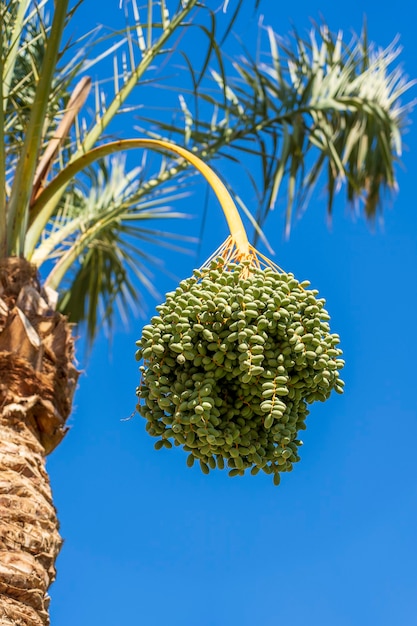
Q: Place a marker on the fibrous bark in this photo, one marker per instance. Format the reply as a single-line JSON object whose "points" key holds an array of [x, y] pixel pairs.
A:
{"points": [[29, 538], [37, 382]]}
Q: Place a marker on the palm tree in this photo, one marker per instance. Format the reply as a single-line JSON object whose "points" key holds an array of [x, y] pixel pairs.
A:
{"points": [[72, 219]]}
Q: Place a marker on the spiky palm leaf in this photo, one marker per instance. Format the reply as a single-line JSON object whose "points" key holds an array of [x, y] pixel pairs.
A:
{"points": [[33, 89], [318, 109], [303, 112], [101, 245]]}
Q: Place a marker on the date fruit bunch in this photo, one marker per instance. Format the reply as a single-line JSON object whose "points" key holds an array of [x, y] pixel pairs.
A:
{"points": [[231, 363]]}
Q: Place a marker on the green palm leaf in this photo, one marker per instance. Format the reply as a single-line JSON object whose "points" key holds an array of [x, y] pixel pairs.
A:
{"points": [[315, 110], [100, 240], [319, 109]]}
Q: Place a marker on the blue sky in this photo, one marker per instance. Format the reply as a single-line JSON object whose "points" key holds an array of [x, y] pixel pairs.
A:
{"points": [[150, 541]]}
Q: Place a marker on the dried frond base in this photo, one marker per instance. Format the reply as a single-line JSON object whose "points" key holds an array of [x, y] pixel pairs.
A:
{"points": [[36, 353], [37, 382], [13, 612]]}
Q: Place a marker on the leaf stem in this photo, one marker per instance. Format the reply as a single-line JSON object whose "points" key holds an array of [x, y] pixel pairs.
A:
{"points": [[17, 215], [236, 227]]}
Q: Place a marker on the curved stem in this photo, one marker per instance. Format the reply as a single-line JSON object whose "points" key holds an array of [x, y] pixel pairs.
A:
{"points": [[42, 208]]}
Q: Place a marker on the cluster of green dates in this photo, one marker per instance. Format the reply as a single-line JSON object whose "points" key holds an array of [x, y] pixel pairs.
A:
{"points": [[230, 365]]}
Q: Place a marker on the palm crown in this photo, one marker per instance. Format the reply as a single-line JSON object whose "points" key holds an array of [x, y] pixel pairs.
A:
{"points": [[311, 109]]}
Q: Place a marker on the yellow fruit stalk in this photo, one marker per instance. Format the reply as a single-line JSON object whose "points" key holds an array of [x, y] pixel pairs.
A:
{"points": [[235, 356]]}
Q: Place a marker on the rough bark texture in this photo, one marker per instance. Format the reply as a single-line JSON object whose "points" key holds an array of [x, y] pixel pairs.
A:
{"points": [[29, 538], [37, 382]]}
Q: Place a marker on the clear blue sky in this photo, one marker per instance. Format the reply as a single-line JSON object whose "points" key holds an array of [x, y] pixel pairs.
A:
{"points": [[149, 541]]}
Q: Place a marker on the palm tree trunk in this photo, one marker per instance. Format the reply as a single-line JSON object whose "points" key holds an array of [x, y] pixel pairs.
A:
{"points": [[37, 381], [29, 538]]}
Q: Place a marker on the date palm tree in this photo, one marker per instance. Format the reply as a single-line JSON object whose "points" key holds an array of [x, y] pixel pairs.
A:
{"points": [[74, 217]]}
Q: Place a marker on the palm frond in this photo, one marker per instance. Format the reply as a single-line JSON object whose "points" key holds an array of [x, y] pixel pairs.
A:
{"points": [[138, 52], [76, 101], [314, 110], [99, 242], [18, 205], [101, 282], [133, 69]]}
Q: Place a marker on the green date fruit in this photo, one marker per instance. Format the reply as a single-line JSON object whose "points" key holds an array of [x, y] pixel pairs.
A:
{"points": [[230, 364]]}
